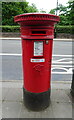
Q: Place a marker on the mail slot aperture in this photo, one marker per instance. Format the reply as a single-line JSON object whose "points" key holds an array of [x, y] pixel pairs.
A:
{"points": [[38, 32]]}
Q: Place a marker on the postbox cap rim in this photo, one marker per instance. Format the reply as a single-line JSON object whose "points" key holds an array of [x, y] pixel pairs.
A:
{"points": [[36, 13], [36, 16]]}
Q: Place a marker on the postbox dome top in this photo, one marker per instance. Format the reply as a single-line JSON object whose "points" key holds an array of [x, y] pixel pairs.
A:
{"points": [[36, 19]]}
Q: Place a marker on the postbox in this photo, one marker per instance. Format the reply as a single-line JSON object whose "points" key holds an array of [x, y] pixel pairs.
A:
{"points": [[37, 33]]}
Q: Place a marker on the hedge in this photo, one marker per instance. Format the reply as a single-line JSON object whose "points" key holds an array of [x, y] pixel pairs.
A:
{"points": [[65, 29], [58, 29], [10, 28]]}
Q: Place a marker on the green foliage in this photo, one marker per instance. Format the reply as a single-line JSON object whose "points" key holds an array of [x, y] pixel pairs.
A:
{"points": [[32, 8], [59, 29], [64, 20], [62, 9], [65, 29], [10, 28], [66, 13], [11, 9], [71, 11], [52, 11]]}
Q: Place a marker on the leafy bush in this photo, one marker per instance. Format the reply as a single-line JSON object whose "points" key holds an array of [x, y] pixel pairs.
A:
{"points": [[10, 28], [65, 29]]}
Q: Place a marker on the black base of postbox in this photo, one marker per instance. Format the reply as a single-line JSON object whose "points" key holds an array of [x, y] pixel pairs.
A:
{"points": [[36, 101]]}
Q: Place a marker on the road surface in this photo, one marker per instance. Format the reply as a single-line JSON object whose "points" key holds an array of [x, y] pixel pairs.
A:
{"points": [[12, 62]]}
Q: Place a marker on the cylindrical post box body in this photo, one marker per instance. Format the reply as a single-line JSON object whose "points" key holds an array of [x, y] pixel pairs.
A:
{"points": [[37, 33]]}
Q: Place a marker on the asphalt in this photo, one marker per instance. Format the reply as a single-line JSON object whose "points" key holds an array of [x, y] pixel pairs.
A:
{"points": [[11, 100], [12, 63]]}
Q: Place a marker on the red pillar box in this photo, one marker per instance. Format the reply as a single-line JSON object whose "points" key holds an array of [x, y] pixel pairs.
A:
{"points": [[37, 33]]}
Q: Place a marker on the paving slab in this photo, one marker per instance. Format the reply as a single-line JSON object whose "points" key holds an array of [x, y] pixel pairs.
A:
{"points": [[64, 85], [14, 94], [60, 96], [61, 104], [62, 110], [0, 94], [0, 110], [11, 109], [73, 110], [47, 113], [12, 84], [4, 93]]}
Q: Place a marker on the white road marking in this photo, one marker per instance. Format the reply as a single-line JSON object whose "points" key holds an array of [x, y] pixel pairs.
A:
{"points": [[53, 61], [65, 73], [19, 38], [69, 59], [62, 65], [13, 54], [58, 66], [70, 62], [64, 70], [63, 61], [9, 54], [59, 69], [54, 55]]}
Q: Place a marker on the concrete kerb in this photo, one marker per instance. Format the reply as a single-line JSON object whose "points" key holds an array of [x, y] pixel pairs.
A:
{"points": [[54, 84], [21, 81], [18, 38]]}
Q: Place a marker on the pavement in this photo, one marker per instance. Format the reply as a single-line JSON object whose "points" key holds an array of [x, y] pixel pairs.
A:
{"points": [[12, 106], [61, 103]]}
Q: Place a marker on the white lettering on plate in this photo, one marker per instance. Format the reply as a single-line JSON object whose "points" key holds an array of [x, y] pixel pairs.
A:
{"points": [[37, 60]]}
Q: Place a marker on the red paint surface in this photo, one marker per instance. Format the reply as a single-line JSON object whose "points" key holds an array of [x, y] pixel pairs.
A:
{"points": [[37, 75]]}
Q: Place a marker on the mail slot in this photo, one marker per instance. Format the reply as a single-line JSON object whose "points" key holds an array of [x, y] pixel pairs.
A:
{"points": [[37, 33]]}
